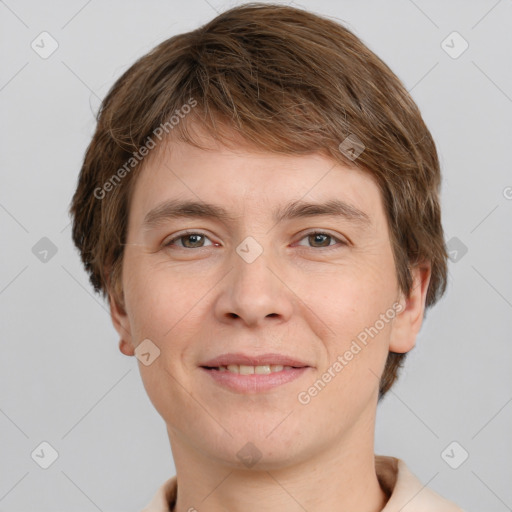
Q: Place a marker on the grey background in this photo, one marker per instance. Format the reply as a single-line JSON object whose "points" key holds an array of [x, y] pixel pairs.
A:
{"points": [[62, 378]]}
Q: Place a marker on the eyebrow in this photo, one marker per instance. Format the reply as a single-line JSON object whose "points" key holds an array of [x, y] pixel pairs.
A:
{"points": [[175, 209]]}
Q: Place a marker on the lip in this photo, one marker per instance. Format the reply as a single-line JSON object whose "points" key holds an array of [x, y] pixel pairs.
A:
{"points": [[254, 383], [253, 360]]}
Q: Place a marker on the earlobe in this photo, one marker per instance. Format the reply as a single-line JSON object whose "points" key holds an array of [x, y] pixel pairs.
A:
{"points": [[408, 321], [126, 348]]}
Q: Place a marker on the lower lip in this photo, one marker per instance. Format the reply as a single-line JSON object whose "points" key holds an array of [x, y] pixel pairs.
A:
{"points": [[254, 383]]}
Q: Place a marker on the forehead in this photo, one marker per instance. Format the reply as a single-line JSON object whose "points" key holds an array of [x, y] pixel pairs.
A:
{"points": [[244, 181]]}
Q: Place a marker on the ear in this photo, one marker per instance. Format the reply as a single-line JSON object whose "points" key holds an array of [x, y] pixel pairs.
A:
{"points": [[122, 326], [407, 322]]}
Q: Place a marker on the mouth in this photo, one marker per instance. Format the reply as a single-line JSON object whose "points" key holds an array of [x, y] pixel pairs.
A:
{"points": [[253, 374], [243, 369], [254, 361]]}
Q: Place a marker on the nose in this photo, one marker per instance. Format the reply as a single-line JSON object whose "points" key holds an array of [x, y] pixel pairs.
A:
{"points": [[255, 293]]}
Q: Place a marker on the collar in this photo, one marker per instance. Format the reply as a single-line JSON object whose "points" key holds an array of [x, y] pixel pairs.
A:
{"points": [[406, 493]]}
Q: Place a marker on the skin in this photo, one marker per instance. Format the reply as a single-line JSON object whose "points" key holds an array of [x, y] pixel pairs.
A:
{"points": [[296, 298]]}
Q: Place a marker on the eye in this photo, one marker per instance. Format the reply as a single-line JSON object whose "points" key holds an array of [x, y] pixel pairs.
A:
{"points": [[321, 238], [190, 240], [196, 240]]}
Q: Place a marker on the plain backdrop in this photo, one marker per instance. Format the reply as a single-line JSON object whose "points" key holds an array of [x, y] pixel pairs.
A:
{"points": [[63, 380]]}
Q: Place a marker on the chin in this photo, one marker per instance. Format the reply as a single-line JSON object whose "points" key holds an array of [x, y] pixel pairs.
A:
{"points": [[258, 446], [256, 456]]}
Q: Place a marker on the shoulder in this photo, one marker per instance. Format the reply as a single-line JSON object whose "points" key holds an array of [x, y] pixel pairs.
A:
{"points": [[164, 498], [406, 492]]}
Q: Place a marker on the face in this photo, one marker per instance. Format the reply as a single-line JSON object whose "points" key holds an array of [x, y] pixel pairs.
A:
{"points": [[269, 324]]}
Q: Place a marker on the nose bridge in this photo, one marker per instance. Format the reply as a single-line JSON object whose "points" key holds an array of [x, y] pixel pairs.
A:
{"points": [[252, 265], [254, 292]]}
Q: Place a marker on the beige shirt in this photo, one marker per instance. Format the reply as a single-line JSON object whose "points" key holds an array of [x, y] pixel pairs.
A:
{"points": [[406, 493]]}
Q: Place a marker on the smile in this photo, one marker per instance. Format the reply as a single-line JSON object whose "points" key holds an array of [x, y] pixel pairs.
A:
{"points": [[243, 369], [253, 379]]}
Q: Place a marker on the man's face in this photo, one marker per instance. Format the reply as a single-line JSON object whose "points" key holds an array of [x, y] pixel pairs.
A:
{"points": [[251, 285]]}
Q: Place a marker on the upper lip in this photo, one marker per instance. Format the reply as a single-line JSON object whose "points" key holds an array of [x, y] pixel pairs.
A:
{"points": [[253, 360]]}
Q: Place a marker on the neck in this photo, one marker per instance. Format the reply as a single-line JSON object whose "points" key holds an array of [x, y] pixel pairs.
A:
{"points": [[341, 477]]}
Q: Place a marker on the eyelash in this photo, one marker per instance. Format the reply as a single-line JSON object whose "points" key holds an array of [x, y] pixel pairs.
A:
{"points": [[170, 243]]}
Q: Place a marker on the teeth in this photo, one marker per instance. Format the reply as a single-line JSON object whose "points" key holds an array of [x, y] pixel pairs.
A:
{"points": [[243, 369]]}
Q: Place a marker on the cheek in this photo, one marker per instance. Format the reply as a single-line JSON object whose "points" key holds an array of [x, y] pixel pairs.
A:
{"points": [[350, 296], [157, 310], [148, 297], [163, 303], [357, 341]]}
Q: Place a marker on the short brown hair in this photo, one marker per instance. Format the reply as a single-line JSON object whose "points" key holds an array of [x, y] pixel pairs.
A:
{"points": [[286, 81]]}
